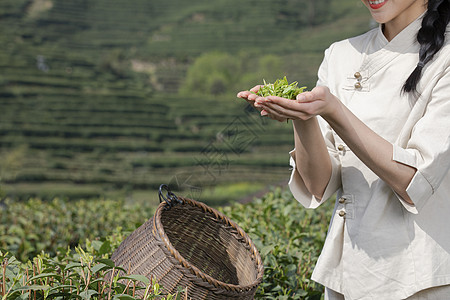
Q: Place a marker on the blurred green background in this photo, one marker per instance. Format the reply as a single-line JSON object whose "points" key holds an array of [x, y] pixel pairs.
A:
{"points": [[111, 98]]}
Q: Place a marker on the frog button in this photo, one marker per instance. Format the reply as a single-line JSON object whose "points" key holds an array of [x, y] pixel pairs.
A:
{"points": [[341, 147], [358, 85]]}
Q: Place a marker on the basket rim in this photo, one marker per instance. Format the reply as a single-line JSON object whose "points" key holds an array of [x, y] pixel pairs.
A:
{"points": [[158, 226]]}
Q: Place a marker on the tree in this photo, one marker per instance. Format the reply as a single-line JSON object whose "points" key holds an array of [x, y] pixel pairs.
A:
{"points": [[212, 73], [218, 73]]}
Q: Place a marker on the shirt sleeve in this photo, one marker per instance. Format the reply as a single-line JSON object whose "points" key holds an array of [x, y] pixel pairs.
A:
{"points": [[296, 183], [428, 149]]}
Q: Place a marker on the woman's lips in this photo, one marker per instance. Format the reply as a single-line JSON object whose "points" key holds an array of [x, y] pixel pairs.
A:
{"points": [[376, 4]]}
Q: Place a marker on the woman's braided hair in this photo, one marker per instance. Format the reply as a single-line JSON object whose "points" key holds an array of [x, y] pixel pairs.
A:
{"points": [[431, 38]]}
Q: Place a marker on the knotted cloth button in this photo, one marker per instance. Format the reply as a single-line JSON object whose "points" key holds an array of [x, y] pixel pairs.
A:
{"points": [[341, 147], [357, 75], [342, 213], [358, 85], [342, 200]]}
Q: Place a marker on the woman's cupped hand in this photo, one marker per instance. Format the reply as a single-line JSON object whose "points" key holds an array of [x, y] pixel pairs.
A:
{"points": [[318, 101]]}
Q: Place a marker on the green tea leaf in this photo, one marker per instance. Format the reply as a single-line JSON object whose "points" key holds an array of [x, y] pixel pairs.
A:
{"points": [[61, 287], [72, 265], [107, 262], [124, 297], [34, 287], [281, 88], [44, 275], [100, 267], [105, 248], [136, 277], [88, 294]]}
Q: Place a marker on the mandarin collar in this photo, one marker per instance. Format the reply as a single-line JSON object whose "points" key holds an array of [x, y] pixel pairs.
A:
{"points": [[406, 37], [385, 51]]}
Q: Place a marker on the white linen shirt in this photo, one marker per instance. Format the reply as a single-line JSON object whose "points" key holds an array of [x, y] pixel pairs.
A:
{"points": [[378, 246]]}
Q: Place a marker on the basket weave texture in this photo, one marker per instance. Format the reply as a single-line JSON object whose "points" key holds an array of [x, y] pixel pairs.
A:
{"points": [[193, 246]]}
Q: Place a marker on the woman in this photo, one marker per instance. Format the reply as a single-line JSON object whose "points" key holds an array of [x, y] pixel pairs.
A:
{"points": [[376, 130]]}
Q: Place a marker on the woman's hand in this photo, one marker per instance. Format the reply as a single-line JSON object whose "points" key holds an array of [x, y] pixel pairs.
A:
{"points": [[251, 96], [319, 101]]}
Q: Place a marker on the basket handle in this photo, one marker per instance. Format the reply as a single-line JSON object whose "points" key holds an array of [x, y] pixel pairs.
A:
{"points": [[170, 198]]}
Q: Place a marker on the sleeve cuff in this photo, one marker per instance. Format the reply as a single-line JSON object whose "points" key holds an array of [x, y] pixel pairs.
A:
{"points": [[409, 207], [404, 156], [419, 189], [301, 193]]}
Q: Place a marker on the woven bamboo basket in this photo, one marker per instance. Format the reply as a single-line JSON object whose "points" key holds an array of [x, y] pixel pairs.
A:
{"points": [[191, 245]]}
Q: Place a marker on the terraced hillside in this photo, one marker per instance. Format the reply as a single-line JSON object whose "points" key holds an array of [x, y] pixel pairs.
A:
{"points": [[89, 93]]}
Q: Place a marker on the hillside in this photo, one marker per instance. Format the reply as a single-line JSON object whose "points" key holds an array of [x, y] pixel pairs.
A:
{"points": [[89, 93]]}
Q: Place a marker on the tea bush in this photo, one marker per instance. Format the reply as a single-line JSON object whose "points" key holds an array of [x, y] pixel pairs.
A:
{"points": [[78, 274], [288, 237], [27, 228]]}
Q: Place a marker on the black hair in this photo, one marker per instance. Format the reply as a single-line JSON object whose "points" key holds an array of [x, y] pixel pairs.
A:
{"points": [[431, 38]]}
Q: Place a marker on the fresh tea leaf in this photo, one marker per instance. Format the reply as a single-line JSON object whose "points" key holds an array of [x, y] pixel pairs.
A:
{"points": [[136, 277], [281, 88]]}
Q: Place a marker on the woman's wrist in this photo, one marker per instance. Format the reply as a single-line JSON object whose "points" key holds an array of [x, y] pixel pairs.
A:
{"points": [[303, 126], [302, 123], [334, 111], [307, 129]]}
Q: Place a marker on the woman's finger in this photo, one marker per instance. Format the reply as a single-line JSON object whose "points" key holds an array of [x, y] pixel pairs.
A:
{"points": [[252, 91], [243, 94], [308, 106], [279, 110], [290, 110], [273, 115], [252, 103], [281, 102], [256, 88], [317, 93], [306, 97], [253, 97]]}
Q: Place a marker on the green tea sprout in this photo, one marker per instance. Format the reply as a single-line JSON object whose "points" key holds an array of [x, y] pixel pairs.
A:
{"points": [[281, 88]]}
